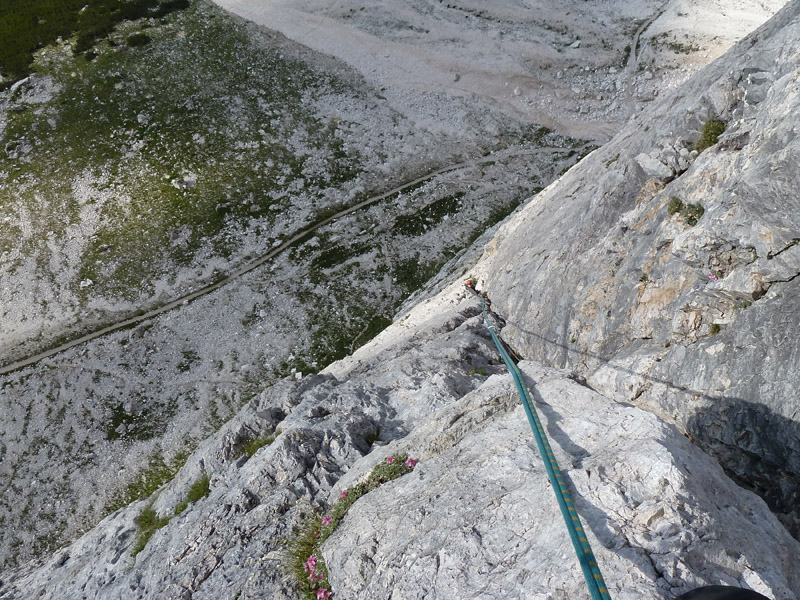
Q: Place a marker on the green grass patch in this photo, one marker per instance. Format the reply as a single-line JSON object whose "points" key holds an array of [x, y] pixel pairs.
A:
{"points": [[254, 445], [691, 212], [168, 178], [429, 216], [302, 556], [198, 490], [157, 473], [137, 426], [712, 129], [338, 254], [27, 25], [147, 523], [138, 39]]}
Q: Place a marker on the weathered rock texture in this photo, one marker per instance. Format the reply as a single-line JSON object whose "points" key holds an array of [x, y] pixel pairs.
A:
{"points": [[593, 275], [697, 324], [476, 519]]}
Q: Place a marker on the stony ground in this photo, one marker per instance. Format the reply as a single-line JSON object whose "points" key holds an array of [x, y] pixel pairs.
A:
{"points": [[167, 197], [580, 68], [476, 518], [264, 137]]}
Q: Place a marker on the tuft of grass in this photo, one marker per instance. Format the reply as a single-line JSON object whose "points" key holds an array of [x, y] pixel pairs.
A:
{"points": [[711, 132], [691, 213], [156, 474], [302, 557], [147, 523], [644, 278], [138, 39], [254, 445], [198, 490], [714, 328], [744, 304]]}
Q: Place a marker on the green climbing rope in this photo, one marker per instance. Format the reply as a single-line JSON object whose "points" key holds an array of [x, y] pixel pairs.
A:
{"points": [[591, 572]]}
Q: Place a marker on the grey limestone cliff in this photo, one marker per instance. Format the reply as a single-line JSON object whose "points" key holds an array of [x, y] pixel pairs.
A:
{"points": [[643, 334], [696, 323], [475, 519]]}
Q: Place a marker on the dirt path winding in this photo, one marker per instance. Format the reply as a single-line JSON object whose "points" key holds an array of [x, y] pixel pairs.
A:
{"points": [[257, 262]]}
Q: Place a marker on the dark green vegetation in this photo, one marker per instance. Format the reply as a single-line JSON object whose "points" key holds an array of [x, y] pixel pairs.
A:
{"points": [[157, 473], [173, 174], [626, 55], [130, 425], [28, 25], [148, 521], [691, 213], [429, 216], [254, 445], [199, 489], [711, 131], [307, 539]]}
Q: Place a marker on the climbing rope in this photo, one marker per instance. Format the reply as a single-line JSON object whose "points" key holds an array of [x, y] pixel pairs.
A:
{"points": [[591, 572]]}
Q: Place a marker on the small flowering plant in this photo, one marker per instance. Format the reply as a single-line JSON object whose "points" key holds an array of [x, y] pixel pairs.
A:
{"points": [[303, 556]]}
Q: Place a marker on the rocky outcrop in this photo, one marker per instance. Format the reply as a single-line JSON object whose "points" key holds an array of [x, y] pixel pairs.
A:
{"points": [[476, 518], [604, 278], [603, 274]]}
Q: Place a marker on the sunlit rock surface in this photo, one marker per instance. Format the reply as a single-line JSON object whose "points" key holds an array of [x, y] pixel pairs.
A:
{"points": [[476, 518], [651, 329], [696, 323]]}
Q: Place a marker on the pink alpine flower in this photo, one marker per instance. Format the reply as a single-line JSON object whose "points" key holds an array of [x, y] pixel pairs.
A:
{"points": [[411, 463], [389, 460], [322, 594], [712, 277], [326, 521], [343, 494]]}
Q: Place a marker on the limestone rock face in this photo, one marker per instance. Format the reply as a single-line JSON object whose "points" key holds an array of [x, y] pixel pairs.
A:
{"points": [[604, 273], [644, 328], [475, 519]]}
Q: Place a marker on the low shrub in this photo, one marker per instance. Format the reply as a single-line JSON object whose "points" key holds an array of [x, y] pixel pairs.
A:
{"points": [[254, 445], [691, 213], [303, 559], [711, 131]]}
